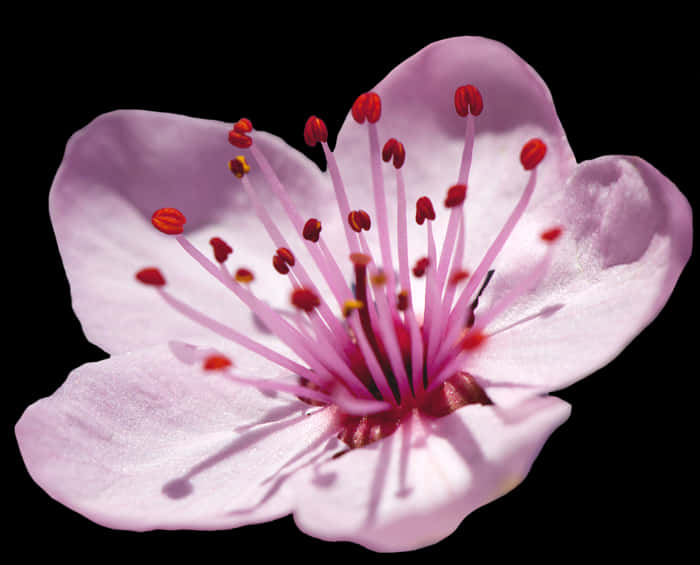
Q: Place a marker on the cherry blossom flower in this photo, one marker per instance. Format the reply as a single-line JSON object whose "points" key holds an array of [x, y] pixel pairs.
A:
{"points": [[400, 377]]}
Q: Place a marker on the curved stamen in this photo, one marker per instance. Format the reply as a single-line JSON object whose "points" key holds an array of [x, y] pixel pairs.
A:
{"points": [[458, 316], [476, 336], [328, 267], [280, 242], [320, 378], [316, 357], [348, 405]]}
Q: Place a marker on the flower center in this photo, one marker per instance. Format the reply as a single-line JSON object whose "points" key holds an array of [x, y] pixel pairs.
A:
{"points": [[365, 350]]}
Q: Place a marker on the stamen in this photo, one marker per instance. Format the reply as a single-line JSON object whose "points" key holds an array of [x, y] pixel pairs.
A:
{"points": [[240, 140], [280, 264], [360, 259], [458, 276], [468, 99], [321, 378], [280, 241], [350, 306], [151, 276], [321, 255], [244, 275], [341, 197], [420, 267], [532, 279], [551, 234], [533, 152], [367, 106], [318, 358], [402, 300], [395, 150], [239, 166], [305, 299], [455, 195], [475, 337], [216, 363], [315, 131], [244, 125], [380, 206], [436, 322], [359, 220], [424, 210], [378, 278], [468, 103], [169, 220], [286, 255], [221, 249], [312, 230], [472, 340], [459, 313]]}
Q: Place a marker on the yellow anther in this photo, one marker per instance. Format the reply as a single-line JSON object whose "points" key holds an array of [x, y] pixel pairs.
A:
{"points": [[239, 166], [378, 278], [244, 275], [351, 305]]}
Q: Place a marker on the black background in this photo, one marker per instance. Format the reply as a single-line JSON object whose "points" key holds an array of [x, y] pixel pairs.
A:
{"points": [[616, 479]]}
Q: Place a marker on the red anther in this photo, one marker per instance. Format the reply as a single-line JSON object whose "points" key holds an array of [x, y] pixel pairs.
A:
{"points": [[420, 266], [315, 131], [286, 255], [468, 99], [533, 152], [456, 195], [151, 276], [424, 210], [359, 220], [472, 340], [402, 300], [280, 265], [551, 235], [354, 221], [312, 229], [360, 259], [367, 106], [221, 249], [388, 149], [394, 148], [240, 140], [169, 220], [244, 125], [216, 362], [244, 275], [305, 299], [458, 276]]}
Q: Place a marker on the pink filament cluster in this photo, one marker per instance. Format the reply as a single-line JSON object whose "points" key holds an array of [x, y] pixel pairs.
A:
{"points": [[378, 355]]}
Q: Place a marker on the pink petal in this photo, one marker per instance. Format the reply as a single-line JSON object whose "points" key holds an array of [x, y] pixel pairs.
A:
{"points": [[116, 172], [141, 441], [628, 236], [418, 110], [414, 488]]}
